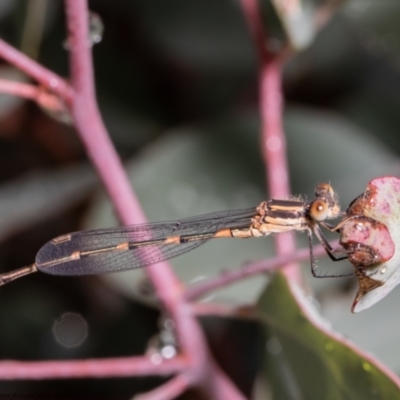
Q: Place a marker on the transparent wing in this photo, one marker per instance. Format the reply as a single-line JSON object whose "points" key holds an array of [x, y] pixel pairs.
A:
{"points": [[127, 247]]}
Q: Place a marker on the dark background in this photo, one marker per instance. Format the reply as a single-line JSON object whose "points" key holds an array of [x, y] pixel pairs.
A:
{"points": [[177, 85]]}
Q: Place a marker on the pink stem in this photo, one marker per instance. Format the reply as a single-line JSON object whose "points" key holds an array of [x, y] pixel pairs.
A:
{"points": [[47, 78], [90, 368], [88, 121], [42, 97], [20, 89], [100, 150], [230, 277], [274, 151], [98, 145], [273, 143]]}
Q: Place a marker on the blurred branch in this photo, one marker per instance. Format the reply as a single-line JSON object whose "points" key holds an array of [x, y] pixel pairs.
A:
{"points": [[24, 90], [90, 368], [47, 78], [99, 147], [273, 141], [41, 96], [254, 268]]}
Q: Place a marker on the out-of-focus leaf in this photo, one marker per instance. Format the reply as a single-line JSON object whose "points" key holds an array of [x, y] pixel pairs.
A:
{"points": [[127, 128], [364, 328], [303, 360], [378, 23], [209, 34], [325, 146], [39, 195], [298, 21], [6, 6]]}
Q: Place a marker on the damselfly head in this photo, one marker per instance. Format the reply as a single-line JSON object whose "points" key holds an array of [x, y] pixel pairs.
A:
{"points": [[326, 205]]}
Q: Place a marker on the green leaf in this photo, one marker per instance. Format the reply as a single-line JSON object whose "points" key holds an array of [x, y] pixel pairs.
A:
{"points": [[301, 361]]}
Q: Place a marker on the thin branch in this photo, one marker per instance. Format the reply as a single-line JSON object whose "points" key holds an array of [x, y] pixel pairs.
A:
{"points": [[47, 78], [41, 96], [88, 121], [255, 268], [20, 89], [90, 368], [273, 142], [99, 147]]}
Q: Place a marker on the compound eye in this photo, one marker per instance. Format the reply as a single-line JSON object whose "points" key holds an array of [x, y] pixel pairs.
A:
{"points": [[319, 211], [323, 189]]}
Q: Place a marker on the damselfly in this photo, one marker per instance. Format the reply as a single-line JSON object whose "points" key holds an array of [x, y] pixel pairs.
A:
{"points": [[128, 247]]}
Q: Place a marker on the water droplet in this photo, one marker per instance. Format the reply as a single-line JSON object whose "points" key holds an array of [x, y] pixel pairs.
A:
{"points": [[366, 366], [274, 346], [329, 346], [70, 330], [169, 324], [156, 358], [168, 352], [383, 269], [163, 345], [53, 82], [96, 28]]}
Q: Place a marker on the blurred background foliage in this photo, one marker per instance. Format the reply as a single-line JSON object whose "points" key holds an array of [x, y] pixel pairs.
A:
{"points": [[177, 86]]}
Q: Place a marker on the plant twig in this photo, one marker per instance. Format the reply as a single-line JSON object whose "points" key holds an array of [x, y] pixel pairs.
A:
{"points": [[273, 142], [254, 268], [42, 97], [89, 368], [88, 121], [44, 76]]}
